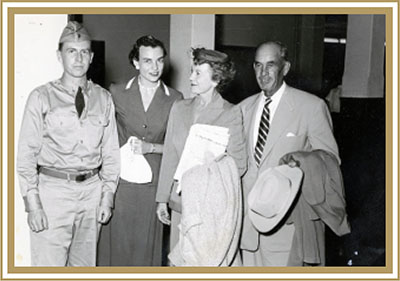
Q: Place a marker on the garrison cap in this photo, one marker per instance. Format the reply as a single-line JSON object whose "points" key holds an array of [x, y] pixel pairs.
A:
{"points": [[74, 32]]}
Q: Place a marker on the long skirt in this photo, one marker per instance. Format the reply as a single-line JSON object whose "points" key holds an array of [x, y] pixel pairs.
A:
{"points": [[133, 236]]}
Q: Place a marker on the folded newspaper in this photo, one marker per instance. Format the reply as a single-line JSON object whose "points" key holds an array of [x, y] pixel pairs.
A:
{"points": [[134, 167], [204, 142]]}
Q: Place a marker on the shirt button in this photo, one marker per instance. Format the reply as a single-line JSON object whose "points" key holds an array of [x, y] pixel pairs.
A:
{"points": [[144, 126], [143, 138], [81, 141]]}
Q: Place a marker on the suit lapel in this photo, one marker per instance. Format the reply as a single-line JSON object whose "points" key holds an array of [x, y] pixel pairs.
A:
{"points": [[212, 110], [187, 114], [284, 115], [134, 104], [136, 98], [159, 99]]}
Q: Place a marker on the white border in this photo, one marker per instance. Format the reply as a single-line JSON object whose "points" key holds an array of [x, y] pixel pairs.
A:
{"points": [[4, 211], [182, 276], [203, 4]]}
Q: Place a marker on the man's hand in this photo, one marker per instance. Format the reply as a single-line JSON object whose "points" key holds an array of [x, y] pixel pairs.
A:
{"points": [[37, 220], [293, 159], [162, 213], [104, 214]]}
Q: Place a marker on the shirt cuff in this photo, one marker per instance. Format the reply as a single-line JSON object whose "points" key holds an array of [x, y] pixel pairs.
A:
{"points": [[32, 202], [162, 198], [107, 199]]}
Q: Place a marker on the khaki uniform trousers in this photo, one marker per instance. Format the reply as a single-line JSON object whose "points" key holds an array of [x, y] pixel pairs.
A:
{"points": [[71, 208]]}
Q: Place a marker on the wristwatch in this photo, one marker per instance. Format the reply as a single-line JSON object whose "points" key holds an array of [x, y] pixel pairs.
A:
{"points": [[152, 148]]}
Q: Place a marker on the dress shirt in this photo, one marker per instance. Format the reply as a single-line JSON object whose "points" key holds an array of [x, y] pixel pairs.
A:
{"points": [[272, 108], [53, 136], [147, 93], [130, 82]]}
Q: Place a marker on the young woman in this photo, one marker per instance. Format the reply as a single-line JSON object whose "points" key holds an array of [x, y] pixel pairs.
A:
{"points": [[134, 235]]}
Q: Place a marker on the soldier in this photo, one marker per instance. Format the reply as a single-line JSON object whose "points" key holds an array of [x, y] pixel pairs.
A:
{"points": [[68, 159]]}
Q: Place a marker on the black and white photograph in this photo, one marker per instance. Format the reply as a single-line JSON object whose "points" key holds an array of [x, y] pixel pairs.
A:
{"points": [[239, 140]]}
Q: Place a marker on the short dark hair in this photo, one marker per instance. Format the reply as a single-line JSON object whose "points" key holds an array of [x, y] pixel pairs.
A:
{"points": [[222, 72], [146, 41]]}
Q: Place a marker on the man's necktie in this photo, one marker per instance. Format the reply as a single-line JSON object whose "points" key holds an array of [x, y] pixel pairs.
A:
{"points": [[262, 132], [79, 101]]}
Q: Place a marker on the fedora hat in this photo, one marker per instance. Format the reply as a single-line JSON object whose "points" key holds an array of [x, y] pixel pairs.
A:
{"points": [[272, 195]]}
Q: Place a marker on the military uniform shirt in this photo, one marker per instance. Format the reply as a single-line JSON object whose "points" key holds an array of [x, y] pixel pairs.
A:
{"points": [[52, 135]]}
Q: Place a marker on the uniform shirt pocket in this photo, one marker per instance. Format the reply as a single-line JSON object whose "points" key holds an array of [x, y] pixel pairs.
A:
{"points": [[60, 121], [95, 130], [60, 129]]}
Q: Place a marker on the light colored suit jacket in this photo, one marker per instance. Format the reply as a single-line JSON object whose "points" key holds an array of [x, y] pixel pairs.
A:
{"points": [[301, 122], [321, 202], [219, 113]]}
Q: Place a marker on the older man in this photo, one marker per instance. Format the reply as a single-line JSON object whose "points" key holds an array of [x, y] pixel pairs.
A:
{"points": [[278, 120], [68, 159]]}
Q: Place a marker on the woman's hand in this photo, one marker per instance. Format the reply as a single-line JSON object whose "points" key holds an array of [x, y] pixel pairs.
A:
{"points": [[140, 147], [162, 213]]}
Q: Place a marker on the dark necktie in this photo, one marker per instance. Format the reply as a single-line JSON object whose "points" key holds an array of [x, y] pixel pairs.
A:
{"points": [[262, 132], [79, 101]]}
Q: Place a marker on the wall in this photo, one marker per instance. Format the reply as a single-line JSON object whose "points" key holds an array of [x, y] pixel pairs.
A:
{"points": [[36, 42], [310, 53], [240, 31], [188, 31], [238, 35], [251, 30], [365, 53], [120, 32]]}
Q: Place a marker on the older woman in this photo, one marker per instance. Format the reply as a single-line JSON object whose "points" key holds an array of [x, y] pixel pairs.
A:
{"points": [[211, 72]]}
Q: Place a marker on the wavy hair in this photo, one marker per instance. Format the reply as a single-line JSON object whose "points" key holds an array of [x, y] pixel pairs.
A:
{"points": [[146, 41], [223, 71]]}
